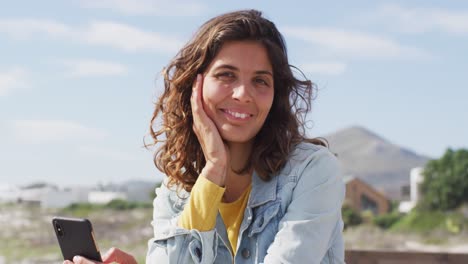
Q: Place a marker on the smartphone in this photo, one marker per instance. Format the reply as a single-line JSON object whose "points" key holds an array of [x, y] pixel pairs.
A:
{"points": [[75, 237]]}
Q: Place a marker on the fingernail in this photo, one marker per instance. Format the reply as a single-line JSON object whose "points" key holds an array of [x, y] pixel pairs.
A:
{"points": [[76, 259]]}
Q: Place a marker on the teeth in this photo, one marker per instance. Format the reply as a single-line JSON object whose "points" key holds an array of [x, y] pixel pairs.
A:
{"points": [[238, 115]]}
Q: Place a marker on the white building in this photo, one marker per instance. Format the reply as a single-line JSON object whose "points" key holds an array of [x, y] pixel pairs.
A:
{"points": [[9, 193], [102, 197], [50, 196], [416, 178], [35, 193], [65, 197]]}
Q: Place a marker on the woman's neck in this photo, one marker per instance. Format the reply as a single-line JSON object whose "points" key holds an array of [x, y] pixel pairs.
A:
{"points": [[237, 183], [239, 154]]}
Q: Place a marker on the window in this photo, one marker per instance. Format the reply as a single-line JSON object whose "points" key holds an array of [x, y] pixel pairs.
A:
{"points": [[369, 204]]}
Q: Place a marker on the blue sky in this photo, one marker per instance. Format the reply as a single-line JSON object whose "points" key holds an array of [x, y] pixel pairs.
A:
{"points": [[78, 78]]}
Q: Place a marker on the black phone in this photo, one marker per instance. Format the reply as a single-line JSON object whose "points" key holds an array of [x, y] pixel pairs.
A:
{"points": [[76, 237]]}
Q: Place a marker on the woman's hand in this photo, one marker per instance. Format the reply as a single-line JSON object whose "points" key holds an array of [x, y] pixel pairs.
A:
{"points": [[214, 149], [112, 255]]}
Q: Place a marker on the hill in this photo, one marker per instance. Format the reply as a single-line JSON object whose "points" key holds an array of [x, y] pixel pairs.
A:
{"points": [[370, 157]]}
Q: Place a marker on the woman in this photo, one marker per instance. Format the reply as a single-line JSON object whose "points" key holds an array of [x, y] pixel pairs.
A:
{"points": [[243, 185]]}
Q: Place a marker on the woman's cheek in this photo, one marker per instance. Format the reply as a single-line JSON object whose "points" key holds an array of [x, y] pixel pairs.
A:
{"points": [[209, 108]]}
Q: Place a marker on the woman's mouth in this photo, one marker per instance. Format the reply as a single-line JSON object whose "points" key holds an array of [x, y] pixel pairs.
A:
{"points": [[236, 114]]}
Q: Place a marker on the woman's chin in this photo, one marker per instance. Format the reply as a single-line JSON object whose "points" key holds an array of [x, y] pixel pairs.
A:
{"points": [[237, 139]]}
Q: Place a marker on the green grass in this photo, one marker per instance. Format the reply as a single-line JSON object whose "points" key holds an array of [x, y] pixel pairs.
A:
{"points": [[426, 222], [85, 209], [82, 210], [15, 250]]}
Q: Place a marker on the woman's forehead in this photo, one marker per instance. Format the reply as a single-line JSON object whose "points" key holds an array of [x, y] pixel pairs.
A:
{"points": [[242, 55]]}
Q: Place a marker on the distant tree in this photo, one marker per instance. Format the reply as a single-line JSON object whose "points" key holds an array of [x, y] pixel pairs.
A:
{"points": [[445, 184], [350, 216], [386, 221]]}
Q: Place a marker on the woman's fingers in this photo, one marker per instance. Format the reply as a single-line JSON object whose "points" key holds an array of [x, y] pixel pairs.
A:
{"points": [[112, 255], [80, 260], [200, 119], [118, 256], [196, 104], [196, 94], [203, 126]]}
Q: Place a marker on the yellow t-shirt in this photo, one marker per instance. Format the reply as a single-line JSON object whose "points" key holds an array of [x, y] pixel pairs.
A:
{"points": [[232, 214], [204, 204]]}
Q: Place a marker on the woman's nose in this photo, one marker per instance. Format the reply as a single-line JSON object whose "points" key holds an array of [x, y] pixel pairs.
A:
{"points": [[243, 92]]}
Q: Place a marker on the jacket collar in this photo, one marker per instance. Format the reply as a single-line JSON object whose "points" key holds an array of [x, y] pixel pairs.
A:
{"points": [[262, 191]]}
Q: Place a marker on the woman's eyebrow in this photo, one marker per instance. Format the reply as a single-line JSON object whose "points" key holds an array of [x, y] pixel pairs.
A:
{"points": [[234, 68], [265, 72], [227, 66]]}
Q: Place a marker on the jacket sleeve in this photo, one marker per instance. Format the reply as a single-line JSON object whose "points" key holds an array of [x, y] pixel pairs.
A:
{"points": [[172, 243], [312, 222]]}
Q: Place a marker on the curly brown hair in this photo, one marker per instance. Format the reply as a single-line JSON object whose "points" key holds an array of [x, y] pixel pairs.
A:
{"points": [[180, 155]]}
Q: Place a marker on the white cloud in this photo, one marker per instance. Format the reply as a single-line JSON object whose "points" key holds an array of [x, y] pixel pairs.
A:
{"points": [[12, 79], [325, 68], [418, 20], [99, 152], [44, 131], [128, 38], [355, 44], [91, 67], [24, 28], [99, 33], [147, 7]]}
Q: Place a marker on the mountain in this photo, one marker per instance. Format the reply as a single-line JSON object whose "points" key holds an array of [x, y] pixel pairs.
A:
{"points": [[377, 161]]}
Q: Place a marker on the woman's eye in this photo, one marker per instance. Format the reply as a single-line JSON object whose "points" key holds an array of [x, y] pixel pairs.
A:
{"points": [[261, 81], [225, 76]]}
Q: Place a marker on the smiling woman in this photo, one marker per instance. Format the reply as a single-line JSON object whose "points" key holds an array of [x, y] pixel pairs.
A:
{"points": [[243, 185]]}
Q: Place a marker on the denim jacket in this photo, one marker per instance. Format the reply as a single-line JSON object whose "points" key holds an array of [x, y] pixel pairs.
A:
{"points": [[293, 218]]}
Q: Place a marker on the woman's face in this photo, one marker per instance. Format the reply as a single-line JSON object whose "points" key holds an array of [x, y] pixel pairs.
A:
{"points": [[238, 90]]}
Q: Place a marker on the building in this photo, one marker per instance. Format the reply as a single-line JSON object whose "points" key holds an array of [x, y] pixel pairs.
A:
{"points": [[9, 193], [416, 178], [103, 197], [64, 197], [361, 197], [51, 196], [35, 193]]}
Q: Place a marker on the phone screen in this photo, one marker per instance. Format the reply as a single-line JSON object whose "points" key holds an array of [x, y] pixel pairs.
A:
{"points": [[76, 237]]}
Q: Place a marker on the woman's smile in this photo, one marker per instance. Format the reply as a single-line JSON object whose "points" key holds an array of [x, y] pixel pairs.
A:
{"points": [[237, 114]]}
